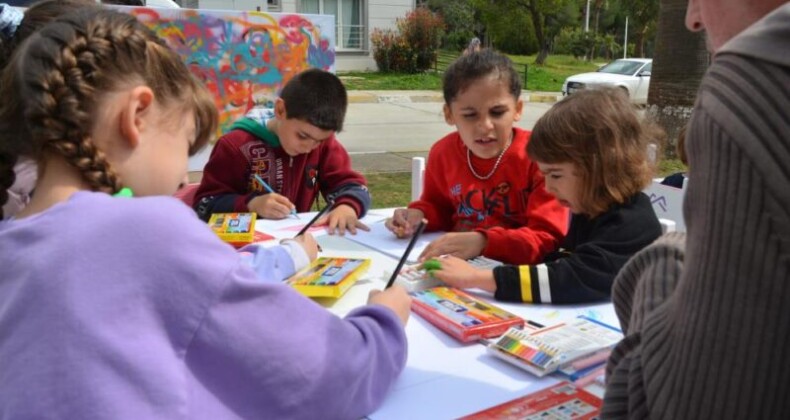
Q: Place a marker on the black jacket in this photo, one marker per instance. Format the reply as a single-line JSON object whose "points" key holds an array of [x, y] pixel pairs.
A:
{"points": [[593, 252]]}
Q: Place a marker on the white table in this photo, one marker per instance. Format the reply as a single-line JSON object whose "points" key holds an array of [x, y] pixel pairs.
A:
{"points": [[443, 378]]}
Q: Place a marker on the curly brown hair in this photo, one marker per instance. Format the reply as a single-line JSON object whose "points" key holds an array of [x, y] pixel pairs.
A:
{"points": [[601, 134], [54, 87]]}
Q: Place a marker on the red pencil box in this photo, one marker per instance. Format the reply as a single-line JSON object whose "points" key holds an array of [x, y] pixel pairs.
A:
{"points": [[461, 315]]}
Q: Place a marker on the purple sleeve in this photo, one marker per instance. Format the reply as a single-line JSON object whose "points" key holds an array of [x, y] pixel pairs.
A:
{"points": [[270, 264], [263, 348]]}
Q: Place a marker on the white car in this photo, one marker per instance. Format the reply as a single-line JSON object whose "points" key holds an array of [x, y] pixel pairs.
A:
{"points": [[630, 74], [167, 4]]}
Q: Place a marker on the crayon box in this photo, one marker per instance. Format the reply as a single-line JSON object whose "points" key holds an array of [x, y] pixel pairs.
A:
{"points": [[461, 315], [237, 229], [329, 276]]}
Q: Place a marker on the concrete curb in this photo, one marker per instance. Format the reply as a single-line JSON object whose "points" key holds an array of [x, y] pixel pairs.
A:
{"points": [[423, 96]]}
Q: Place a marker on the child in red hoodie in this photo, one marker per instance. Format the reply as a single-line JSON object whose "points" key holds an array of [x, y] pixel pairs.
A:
{"points": [[292, 148]]}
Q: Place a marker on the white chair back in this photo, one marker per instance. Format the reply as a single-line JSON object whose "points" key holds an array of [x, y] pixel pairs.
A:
{"points": [[668, 204], [417, 177]]}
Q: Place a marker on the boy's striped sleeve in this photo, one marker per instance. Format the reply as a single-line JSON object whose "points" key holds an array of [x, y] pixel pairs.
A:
{"points": [[522, 283], [581, 277]]}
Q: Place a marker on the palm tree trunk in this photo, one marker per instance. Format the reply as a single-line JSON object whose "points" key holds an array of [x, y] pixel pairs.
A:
{"points": [[679, 63]]}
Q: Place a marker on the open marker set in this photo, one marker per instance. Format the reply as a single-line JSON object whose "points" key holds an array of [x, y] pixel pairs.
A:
{"points": [[415, 279], [555, 347]]}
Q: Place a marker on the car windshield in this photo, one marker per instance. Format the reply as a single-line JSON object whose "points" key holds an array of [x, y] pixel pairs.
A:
{"points": [[624, 67]]}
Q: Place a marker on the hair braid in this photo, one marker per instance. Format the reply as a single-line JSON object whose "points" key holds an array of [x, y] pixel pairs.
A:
{"points": [[67, 96], [59, 79]]}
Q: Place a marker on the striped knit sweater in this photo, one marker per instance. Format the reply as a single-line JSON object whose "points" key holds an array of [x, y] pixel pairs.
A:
{"points": [[708, 337]]}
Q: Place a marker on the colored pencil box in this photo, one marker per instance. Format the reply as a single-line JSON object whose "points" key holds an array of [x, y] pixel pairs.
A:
{"points": [[554, 347], [462, 315], [329, 276], [562, 401], [237, 229]]}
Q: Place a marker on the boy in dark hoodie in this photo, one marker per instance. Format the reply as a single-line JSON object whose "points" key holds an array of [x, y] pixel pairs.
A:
{"points": [[293, 149]]}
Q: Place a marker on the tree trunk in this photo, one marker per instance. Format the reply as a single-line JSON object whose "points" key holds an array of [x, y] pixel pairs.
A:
{"points": [[680, 61], [540, 34], [639, 43]]}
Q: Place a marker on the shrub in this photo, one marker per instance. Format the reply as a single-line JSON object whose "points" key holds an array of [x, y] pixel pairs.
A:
{"points": [[391, 52], [422, 30], [413, 47]]}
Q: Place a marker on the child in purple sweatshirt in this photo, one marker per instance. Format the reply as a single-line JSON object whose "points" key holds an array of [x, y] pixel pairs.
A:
{"points": [[116, 307]]}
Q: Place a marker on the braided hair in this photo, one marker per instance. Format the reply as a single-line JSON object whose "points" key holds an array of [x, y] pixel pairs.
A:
{"points": [[55, 83], [36, 16]]}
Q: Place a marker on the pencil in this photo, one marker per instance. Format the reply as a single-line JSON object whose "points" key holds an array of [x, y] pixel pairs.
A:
{"points": [[315, 219], [269, 189], [405, 255]]}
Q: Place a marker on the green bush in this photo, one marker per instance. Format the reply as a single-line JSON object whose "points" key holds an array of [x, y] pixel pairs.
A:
{"points": [[413, 47], [392, 53]]}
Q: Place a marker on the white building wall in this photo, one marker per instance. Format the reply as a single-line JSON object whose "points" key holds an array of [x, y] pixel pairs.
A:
{"points": [[380, 14], [246, 5]]}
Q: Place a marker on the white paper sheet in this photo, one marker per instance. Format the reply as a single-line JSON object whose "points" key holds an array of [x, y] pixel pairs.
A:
{"points": [[381, 239]]}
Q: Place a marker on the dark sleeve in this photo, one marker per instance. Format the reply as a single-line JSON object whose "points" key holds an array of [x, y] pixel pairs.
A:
{"points": [[584, 276], [339, 182], [224, 186], [675, 180], [586, 273]]}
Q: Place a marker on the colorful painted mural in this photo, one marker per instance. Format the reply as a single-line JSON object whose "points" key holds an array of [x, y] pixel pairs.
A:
{"points": [[244, 58]]}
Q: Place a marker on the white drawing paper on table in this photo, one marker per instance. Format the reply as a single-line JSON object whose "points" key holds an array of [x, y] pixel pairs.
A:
{"points": [[383, 240]]}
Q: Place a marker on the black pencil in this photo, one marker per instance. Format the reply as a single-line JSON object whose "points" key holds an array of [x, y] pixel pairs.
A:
{"points": [[405, 256], [315, 219]]}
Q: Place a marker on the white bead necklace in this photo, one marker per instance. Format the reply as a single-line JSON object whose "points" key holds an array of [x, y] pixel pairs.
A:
{"points": [[496, 164]]}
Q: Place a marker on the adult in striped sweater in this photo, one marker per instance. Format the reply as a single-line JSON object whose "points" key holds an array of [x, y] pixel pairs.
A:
{"points": [[707, 325], [592, 150]]}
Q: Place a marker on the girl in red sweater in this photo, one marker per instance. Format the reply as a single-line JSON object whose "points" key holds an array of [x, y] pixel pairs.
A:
{"points": [[592, 148], [480, 185]]}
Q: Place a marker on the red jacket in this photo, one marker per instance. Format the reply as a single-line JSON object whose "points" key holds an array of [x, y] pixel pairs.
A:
{"points": [[521, 221], [228, 183]]}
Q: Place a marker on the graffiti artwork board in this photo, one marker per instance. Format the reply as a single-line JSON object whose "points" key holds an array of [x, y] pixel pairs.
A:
{"points": [[244, 58]]}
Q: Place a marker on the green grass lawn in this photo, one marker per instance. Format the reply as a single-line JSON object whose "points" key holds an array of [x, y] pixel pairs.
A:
{"points": [[389, 189], [548, 77], [394, 189]]}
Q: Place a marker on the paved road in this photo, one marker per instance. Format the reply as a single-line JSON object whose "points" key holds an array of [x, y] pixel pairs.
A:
{"points": [[383, 136], [384, 129]]}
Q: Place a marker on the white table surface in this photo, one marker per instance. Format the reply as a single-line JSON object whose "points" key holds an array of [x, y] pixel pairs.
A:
{"points": [[443, 377]]}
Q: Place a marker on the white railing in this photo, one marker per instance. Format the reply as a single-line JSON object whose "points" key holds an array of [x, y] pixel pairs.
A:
{"points": [[351, 37]]}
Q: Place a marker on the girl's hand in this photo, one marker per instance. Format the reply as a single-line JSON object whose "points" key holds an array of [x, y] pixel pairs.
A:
{"points": [[463, 245], [271, 206], [341, 218], [404, 222], [307, 241], [456, 272], [394, 298]]}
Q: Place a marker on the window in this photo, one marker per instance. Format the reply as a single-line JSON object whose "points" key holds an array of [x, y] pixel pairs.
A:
{"points": [[350, 32]]}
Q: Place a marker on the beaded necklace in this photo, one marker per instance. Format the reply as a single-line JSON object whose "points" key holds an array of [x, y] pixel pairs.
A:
{"points": [[496, 164]]}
